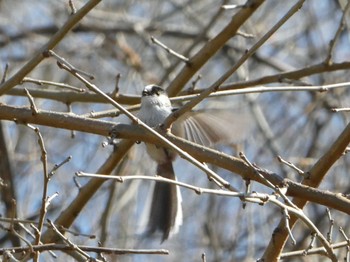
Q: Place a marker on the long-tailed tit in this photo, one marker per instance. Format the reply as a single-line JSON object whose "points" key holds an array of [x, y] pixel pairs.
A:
{"points": [[166, 212]]}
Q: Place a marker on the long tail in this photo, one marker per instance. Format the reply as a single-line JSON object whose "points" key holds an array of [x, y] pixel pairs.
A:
{"points": [[166, 211]]}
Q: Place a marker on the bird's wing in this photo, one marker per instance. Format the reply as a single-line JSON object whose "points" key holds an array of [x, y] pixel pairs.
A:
{"points": [[214, 126]]}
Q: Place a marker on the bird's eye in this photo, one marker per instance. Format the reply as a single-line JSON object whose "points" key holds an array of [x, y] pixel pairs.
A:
{"points": [[156, 90]]}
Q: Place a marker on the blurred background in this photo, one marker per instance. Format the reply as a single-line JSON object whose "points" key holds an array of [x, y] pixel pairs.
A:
{"points": [[115, 38]]}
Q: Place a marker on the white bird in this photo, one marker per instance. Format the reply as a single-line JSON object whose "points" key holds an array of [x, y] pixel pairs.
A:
{"points": [[203, 128]]}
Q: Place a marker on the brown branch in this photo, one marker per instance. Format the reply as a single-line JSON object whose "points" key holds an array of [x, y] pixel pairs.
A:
{"points": [[71, 96], [169, 50], [44, 201], [40, 82], [106, 250], [207, 155], [313, 251], [295, 74], [337, 34], [90, 97], [5, 74], [67, 241], [55, 119], [212, 46], [8, 191], [317, 173]]}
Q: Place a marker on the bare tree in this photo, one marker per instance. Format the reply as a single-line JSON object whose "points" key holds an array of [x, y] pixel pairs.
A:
{"points": [[74, 179]]}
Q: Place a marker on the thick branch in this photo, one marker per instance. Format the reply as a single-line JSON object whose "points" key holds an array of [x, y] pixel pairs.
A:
{"points": [[203, 154], [212, 46]]}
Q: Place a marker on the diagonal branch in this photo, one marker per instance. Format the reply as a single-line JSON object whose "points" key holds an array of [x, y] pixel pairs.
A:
{"points": [[212, 46], [215, 86], [317, 173]]}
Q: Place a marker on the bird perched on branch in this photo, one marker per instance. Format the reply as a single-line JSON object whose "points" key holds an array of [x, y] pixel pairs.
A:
{"points": [[200, 127]]}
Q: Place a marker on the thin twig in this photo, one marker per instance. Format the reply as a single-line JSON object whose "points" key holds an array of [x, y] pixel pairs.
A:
{"points": [[31, 101], [197, 190], [32, 225], [51, 83], [343, 109], [13, 231], [311, 244], [225, 90], [3, 79], [341, 27], [194, 83], [331, 225], [68, 242], [313, 251], [245, 159], [72, 7], [247, 191], [291, 165], [49, 199], [70, 110], [106, 250], [7, 256], [169, 50], [61, 61], [280, 191], [57, 166], [44, 204], [286, 219], [293, 74], [116, 87], [76, 183], [245, 35], [33, 236], [341, 230], [231, 7]]}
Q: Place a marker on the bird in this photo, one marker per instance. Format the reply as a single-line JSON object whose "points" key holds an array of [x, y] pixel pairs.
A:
{"points": [[166, 212], [206, 129]]}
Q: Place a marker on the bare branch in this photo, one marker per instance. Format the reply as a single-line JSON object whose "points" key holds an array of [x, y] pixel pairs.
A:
{"points": [[55, 39], [169, 50]]}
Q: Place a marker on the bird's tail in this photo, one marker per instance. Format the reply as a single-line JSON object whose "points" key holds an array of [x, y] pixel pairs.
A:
{"points": [[166, 212]]}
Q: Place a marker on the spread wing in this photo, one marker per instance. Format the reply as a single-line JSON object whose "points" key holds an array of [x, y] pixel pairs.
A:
{"points": [[214, 126]]}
